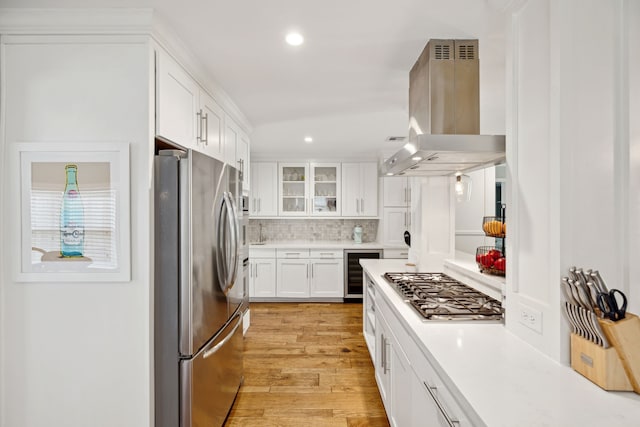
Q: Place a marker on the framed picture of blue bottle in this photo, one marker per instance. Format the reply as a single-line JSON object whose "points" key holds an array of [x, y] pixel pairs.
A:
{"points": [[75, 212]]}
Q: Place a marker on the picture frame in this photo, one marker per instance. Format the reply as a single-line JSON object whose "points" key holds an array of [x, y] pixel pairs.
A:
{"points": [[75, 212]]}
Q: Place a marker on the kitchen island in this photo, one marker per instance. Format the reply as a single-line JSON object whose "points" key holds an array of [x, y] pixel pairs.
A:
{"points": [[485, 375]]}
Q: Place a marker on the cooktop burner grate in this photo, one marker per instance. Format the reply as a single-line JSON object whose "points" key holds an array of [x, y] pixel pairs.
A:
{"points": [[437, 296]]}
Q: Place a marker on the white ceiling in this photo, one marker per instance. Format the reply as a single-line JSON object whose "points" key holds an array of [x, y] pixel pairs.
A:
{"points": [[346, 86]]}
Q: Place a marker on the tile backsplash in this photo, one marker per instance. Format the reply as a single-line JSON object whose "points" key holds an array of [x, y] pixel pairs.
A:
{"points": [[312, 229]]}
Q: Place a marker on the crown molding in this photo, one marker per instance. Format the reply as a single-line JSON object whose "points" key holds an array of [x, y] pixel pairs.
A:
{"points": [[75, 21]]}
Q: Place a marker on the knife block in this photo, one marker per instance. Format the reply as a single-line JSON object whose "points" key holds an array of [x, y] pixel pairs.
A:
{"points": [[624, 336], [600, 365]]}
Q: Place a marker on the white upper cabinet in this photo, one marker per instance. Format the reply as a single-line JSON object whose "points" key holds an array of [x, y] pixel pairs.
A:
{"points": [[211, 127], [360, 189], [395, 222], [325, 189], [177, 103], [293, 188], [242, 160], [263, 200], [397, 191], [189, 116], [231, 136]]}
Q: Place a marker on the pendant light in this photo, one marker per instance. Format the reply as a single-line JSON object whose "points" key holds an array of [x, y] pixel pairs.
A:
{"points": [[463, 187]]}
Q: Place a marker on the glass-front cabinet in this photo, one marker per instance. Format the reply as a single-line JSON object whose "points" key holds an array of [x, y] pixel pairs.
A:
{"points": [[325, 189], [293, 178]]}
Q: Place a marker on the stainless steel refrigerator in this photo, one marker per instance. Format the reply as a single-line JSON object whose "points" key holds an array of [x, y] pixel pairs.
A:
{"points": [[197, 293]]}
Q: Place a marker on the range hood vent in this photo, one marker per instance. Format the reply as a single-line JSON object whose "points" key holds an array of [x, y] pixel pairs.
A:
{"points": [[444, 115]]}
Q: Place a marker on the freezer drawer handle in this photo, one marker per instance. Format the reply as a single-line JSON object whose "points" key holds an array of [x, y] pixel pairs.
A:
{"points": [[226, 339]]}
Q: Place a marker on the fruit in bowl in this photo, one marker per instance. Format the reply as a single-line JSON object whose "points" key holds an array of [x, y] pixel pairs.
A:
{"points": [[494, 254], [486, 260], [492, 227], [500, 264]]}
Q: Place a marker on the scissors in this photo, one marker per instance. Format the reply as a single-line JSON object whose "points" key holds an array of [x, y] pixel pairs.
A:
{"points": [[608, 304]]}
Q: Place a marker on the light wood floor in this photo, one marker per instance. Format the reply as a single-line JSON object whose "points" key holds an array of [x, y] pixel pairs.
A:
{"points": [[307, 365]]}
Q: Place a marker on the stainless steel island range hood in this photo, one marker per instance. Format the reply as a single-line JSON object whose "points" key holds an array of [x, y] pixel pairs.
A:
{"points": [[444, 115]]}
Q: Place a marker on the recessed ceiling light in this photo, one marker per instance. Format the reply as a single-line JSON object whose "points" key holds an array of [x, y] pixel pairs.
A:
{"points": [[389, 173], [308, 139], [416, 158], [294, 39]]}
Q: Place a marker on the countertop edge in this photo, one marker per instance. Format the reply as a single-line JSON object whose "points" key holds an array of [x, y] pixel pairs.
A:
{"points": [[526, 385]]}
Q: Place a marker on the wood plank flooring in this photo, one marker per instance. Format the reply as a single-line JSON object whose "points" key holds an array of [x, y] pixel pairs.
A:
{"points": [[306, 364]]}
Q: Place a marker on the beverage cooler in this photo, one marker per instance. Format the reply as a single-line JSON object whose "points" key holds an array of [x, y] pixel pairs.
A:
{"points": [[353, 283]]}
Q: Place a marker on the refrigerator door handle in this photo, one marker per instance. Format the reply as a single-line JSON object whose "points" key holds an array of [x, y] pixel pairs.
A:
{"points": [[211, 351], [235, 238], [221, 259]]}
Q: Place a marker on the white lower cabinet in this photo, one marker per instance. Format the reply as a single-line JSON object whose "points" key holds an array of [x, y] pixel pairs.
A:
{"points": [[395, 253], [327, 274], [262, 273], [293, 278], [393, 374], [263, 284], [414, 395], [381, 363], [369, 316], [296, 273]]}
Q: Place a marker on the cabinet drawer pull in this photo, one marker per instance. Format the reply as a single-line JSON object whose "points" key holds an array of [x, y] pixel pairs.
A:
{"points": [[382, 351], [386, 356], [199, 135], [450, 421], [205, 133]]}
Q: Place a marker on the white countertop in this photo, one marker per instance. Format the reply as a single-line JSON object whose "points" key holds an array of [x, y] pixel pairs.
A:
{"points": [[506, 381], [465, 269], [316, 244]]}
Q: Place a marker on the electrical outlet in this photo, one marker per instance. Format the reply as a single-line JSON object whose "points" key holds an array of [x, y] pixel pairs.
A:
{"points": [[531, 318]]}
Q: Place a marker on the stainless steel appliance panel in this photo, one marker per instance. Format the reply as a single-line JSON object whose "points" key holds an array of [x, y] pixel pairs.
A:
{"points": [[210, 381], [196, 267], [166, 296], [204, 303]]}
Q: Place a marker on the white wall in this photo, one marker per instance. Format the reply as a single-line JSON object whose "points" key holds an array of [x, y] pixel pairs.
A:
{"points": [[567, 154], [76, 354], [631, 17], [469, 213]]}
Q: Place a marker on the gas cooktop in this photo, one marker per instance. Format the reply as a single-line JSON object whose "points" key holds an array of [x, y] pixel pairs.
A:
{"points": [[437, 296]]}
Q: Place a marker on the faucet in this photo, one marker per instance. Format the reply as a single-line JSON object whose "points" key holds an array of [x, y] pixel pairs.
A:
{"points": [[261, 237]]}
